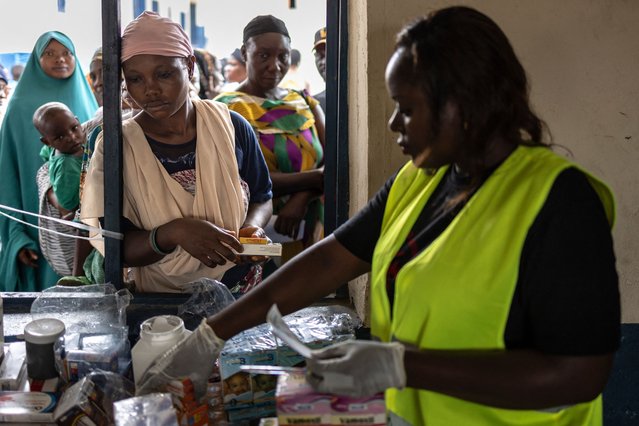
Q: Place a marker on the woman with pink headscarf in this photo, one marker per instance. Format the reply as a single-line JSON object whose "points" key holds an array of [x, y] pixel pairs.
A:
{"points": [[194, 179]]}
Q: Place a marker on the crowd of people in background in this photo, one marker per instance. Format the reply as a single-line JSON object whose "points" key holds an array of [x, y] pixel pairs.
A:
{"points": [[51, 125]]}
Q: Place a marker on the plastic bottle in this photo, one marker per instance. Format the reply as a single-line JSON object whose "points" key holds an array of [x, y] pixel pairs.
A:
{"points": [[157, 335], [40, 336]]}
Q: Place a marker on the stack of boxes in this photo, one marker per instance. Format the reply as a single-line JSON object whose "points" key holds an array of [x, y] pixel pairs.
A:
{"points": [[298, 403], [189, 411], [22, 399], [250, 396]]}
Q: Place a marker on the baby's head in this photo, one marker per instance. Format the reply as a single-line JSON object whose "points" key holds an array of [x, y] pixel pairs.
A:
{"points": [[238, 383], [60, 129]]}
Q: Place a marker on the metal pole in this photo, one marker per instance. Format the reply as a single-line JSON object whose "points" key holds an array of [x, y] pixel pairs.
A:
{"points": [[336, 182], [336, 177], [112, 130]]}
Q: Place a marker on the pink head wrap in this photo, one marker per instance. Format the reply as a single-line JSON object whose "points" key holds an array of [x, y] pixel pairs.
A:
{"points": [[151, 34]]}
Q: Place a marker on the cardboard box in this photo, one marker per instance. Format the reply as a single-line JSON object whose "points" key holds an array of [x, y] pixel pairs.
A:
{"points": [[83, 403], [273, 250], [27, 407], [86, 352], [48, 385], [298, 403], [13, 370], [250, 413]]}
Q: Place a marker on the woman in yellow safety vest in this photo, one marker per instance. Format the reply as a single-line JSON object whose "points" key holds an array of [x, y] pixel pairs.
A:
{"points": [[494, 294]]}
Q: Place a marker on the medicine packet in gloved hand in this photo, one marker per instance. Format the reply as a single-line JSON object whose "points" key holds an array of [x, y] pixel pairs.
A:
{"points": [[357, 368]]}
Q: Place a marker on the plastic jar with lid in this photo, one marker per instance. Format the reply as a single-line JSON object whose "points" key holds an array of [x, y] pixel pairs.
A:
{"points": [[40, 338], [157, 335]]}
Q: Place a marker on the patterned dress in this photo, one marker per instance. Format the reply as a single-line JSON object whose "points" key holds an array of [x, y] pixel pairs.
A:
{"points": [[288, 139]]}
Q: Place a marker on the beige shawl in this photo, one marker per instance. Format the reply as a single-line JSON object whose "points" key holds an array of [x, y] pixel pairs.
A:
{"points": [[151, 197]]}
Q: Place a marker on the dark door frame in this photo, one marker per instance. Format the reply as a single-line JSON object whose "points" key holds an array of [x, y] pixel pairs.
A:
{"points": [[112, 131], [336, 185]]}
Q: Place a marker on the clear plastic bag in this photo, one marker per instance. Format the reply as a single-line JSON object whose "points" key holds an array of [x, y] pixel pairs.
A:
{"points": [[315, 326], [81, 308], [102, 347], [155, 409], [96, 335], [208, 297], [93, 397]]}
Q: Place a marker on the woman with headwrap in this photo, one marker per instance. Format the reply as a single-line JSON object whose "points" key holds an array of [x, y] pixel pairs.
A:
{"points": [[188, 165], [51, 74], [290, 126]]}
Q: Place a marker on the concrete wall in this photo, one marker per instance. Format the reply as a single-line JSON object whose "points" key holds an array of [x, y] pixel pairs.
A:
{"points": [[582, 58]]}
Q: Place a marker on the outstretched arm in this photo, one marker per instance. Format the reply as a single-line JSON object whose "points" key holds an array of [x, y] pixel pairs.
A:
{"points": [[313, 274]]}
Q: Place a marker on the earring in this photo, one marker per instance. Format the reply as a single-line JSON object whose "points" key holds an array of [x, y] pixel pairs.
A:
{"points": [[465, 125]]}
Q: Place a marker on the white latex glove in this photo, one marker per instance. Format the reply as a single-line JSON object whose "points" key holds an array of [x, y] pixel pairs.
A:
{"points": [[357, 368], [193, 357]]}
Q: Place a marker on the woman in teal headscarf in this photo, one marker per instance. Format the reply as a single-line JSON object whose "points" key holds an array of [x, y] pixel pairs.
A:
{"points": [[51, 74]]}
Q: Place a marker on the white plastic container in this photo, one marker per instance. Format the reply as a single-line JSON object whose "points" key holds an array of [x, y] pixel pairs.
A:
{"points": [[157, 335]]}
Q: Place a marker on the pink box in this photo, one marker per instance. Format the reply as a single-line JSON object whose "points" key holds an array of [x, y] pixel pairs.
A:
{"points": [[298, 403]]}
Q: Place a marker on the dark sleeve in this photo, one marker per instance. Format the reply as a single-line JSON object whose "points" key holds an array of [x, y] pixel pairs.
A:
{"points": [[568, 289], [360, 233], [250, 161]]}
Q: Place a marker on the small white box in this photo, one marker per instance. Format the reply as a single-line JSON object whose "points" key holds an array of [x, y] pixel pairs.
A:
{"points": [[14, 366], [27, 407], [274, 249]]}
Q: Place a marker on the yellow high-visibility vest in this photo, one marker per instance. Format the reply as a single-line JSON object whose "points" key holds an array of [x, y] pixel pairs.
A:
{"points": [[456, 293]]}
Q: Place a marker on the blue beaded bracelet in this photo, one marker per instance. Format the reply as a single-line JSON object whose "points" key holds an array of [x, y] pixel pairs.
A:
{"points": [[154, 244]]}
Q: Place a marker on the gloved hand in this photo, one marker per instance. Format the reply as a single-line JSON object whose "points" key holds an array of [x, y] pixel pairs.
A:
{"points": [[193, 357], [357, 368]]}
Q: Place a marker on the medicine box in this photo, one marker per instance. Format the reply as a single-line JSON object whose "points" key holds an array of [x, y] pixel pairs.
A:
{"points": [[240, 389], [83, 403], [27, 407], [298, 403], [273, 249], [86, 352], [13, 370], [48, 385]]}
